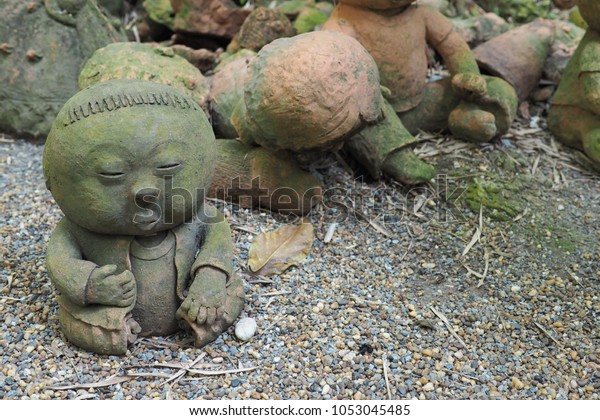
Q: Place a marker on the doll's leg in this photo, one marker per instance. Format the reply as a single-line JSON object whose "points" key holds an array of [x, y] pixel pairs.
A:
{"points": [[577, 128], [101, 329], [476, 120], [432, 112], [253, 176], [387, 147], [234, 303], [483, 115]]}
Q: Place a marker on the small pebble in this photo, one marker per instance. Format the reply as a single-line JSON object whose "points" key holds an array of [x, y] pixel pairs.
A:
{"points": [[245, 329]]}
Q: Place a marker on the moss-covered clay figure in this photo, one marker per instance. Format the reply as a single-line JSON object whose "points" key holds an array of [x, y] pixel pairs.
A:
{"points": [[316, 92], [138, 251], [575, 113], [397, 34]]}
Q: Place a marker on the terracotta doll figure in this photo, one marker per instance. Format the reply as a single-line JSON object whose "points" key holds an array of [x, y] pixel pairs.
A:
{"points": [[575, 113], [397, 34], [138, 251]]}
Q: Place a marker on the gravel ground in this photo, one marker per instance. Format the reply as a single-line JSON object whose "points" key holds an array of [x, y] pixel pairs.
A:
{"points": [[357, 319]]}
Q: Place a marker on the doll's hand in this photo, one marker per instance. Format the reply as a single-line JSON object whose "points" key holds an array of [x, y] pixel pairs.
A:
{"points": [[106, 288], [470, 87], [206, 297]]}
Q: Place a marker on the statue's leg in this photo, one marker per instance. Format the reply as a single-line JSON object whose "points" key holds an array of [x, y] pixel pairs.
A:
{"points": [[234, 303], [98, 328], [577, 128], [432, 112], [387, 147], [478, 120], [591, 146], [487, 116], [253, 176]]}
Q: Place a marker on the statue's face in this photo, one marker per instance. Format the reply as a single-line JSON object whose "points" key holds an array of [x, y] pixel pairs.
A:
{"points": [[378, 4], [590, 11], [134, 171]]}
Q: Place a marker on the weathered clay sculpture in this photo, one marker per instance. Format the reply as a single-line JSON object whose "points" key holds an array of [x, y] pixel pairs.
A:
{"points": [[260, 28], [308, 92], [396, 33], [138, 252], [575, 113], [219, 18], [312, 92], [43, 45]]}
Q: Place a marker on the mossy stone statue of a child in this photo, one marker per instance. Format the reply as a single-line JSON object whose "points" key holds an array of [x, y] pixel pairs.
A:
{"points": [[138, 252], [574, 117]]}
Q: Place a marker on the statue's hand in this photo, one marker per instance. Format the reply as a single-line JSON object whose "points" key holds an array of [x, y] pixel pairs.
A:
{"points": [[470, 87], [106, 288], [206, 297]]}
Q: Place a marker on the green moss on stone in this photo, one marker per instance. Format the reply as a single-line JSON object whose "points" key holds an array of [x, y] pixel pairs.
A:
{"points": [[495, 197], [160, 11]]}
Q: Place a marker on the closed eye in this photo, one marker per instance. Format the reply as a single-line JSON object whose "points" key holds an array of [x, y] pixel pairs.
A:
{"points": [[169, 166], [168, 169], [111, 175]]}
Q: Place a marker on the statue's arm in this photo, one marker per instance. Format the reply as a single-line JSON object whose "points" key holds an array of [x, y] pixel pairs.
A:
{"points": [[441, 35], [337, 24], [66, 267]]}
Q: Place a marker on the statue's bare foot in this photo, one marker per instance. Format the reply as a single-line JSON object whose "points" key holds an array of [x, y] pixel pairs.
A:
{"points": [[472, 124]]}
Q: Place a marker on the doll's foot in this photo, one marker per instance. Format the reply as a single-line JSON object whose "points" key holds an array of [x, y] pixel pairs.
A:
{"points": [[472, 124], [234, 303], [132, 329], [405, 167]]}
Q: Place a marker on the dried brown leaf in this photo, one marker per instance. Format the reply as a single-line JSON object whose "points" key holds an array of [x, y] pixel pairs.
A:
{"points": [[274, 252]]}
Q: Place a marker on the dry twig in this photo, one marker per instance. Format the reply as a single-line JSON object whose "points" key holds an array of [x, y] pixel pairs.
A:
{"points": [[385, 375], [441, 316]]}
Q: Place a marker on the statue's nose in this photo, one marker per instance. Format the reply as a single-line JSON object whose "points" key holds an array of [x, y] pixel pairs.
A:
{"points": [[146, 196]]}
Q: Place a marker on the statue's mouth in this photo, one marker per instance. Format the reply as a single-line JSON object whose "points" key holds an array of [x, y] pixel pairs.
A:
{"points": [[146, 225]]}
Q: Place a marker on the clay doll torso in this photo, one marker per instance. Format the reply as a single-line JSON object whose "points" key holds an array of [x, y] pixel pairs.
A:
{"points": [[153, 266], [398, 45]]}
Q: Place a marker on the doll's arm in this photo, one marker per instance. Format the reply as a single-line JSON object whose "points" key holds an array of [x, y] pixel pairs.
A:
{"points": [[336, 24], [66, 267], [448, 43], [82, 281]]}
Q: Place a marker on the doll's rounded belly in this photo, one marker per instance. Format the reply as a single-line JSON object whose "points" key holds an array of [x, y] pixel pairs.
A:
{"points": [[156, 279]]}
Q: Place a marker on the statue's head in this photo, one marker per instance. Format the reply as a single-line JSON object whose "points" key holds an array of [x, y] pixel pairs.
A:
{"points": [[129, 157], [378, 4], [590, 11]]}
